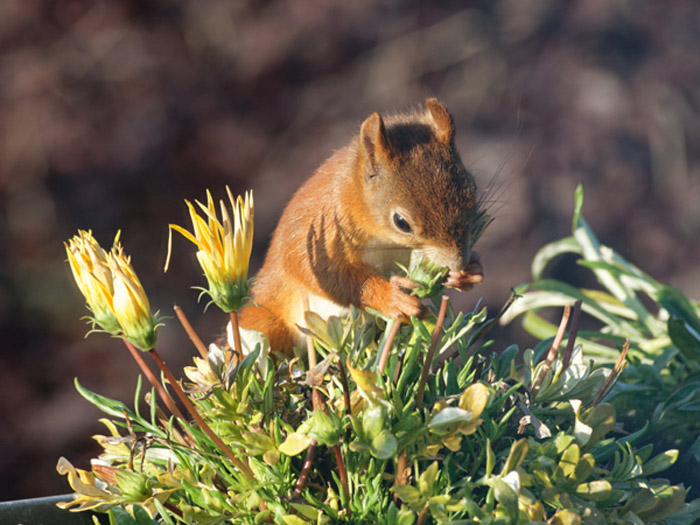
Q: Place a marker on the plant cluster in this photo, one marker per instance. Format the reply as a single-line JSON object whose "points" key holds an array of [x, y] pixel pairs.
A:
{"points": [[661, 382], [379, 422]]}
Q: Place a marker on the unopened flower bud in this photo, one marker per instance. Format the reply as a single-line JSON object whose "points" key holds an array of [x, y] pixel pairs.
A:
{"points": [[326, 427], [133, 485], [373, 420]]}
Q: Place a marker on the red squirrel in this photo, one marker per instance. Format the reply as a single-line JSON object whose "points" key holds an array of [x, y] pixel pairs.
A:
{"points": [[398, 186]]}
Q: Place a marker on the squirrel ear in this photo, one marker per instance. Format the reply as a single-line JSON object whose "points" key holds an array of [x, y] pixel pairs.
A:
{"points": [[444, 123], [374, 142]]}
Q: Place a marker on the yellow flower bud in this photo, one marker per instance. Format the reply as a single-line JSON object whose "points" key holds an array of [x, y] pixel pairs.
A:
{"points": [[89, 264], [130, 304], [112, 290]]}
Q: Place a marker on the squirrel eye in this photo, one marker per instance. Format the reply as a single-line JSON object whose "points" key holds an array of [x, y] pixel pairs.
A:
{"points": [[402, 224]]}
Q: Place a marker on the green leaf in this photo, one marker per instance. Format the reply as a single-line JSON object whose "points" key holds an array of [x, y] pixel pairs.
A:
{"points": [[660, 462], [601, 419], [426, 480], [384, 445], [119, 516], [679, 306], [137, 395], [449, 416], [517, 454], [490, 458], [307, 511], [686, 339], [568, 462], [504, 494], [295, 444], [578, 207], [410, 495], [291, 519], [108, 406], [598, 490], [663, 506], [548, 252]]}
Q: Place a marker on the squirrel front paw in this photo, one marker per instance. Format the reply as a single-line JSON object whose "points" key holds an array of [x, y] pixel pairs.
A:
{"points": [[389, 298], [472, 274]]}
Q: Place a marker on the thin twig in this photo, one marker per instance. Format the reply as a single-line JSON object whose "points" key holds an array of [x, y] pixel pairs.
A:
{"points": [[162, 393], [573, 331], [195, 415], [488, 326], [613, 373], [387, 345], [552, 354], [236, 338], [437, 332]]}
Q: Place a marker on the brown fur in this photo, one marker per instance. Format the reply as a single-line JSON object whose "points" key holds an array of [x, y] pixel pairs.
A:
{"points": [[406, 164]]}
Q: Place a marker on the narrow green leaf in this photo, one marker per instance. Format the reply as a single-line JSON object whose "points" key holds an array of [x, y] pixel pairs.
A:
{"points": [[490, 458], [578, 206], [684, 337], [598, 490], [108, 406], [660, 463], [137, 395], [679, 306], [517, 454], [548, 252]]}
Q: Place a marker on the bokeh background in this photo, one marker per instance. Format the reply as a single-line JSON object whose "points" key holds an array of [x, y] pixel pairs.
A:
{"points": [[113, 112]]}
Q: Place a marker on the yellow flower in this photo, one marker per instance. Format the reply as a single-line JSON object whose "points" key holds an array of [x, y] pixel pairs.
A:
{"points": [[130, 304], [112, 290], [89, 264], [474, 398], [224, 247]]}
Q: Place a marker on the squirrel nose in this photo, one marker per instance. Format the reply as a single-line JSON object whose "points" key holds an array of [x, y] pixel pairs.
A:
{"points": [[452, 258]]}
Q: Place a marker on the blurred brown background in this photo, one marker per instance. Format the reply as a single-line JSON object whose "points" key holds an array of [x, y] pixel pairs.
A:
{"points": [[111, 113]]}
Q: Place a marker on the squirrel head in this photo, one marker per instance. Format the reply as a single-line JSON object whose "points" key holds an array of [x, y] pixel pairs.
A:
{"points": [[416, 191]]}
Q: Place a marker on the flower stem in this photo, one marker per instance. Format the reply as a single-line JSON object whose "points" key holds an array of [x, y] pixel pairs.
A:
{"points": [[387, 345], [236, 338], [573, 331], [162, 393], [552, 354], [435, 339], [479, 333], [304, 474], [346, 387], [190, 332], [401, 473], [195, 415], [423, 516], [613, 374], [342, 473], [310, 348]]}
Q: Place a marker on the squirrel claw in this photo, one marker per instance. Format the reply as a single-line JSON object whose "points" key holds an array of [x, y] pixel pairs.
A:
{"points": [[465, 279], [399, 282]]}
